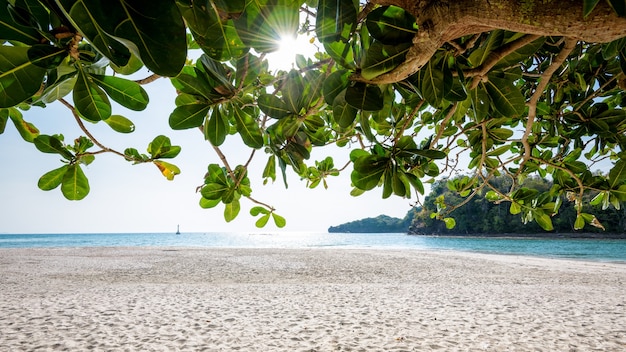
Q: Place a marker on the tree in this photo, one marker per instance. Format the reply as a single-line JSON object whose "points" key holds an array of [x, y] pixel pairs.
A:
{"points": [[479, 216], [413, 86]]}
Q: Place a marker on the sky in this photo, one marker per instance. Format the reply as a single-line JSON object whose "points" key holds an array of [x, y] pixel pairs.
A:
{"points": [[137, 198]]}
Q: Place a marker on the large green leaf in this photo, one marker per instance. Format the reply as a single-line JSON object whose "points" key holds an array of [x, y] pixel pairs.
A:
{"points": [[344, 114], [53, 145], [89, 17], [216, 128], [161, 147], [365, 97], [120, 124], [248, 128], [154, 31], [4, 117], [52, 179], [368, 170], [188, 116], [213, 191], [217, 37], [506, 98], [20, 78], [11, 30], [617, 175], [292, 91], [335, 84], [125, 92], [74, 185], [391, 25], [342, 53], [231, 210], [90, 101], [382, 58], [335, 20], [435, 81], [190, 81], [274, 106]]}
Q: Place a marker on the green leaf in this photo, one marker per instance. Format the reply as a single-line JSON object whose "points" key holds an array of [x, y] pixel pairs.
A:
{"points": [[155, 31], [365, 97], [433, 83], [579, 224], [617, 175], [216, 129], [382, 58], [247, 128], [274, 106], [74, 184], [90, 101], [232, 210], [255, 211], [335, 84], [4, 117], [543, 220], [588, 6], [52, 179], [53, 145], [188, 116], [342, 53], [279, 220], [262, 221], [216, 36], [292, 91], [89, 17], [161, 147], [208, 203], [506, 99], [344, 114], [335, 20], [213, 190], [391, 25], [20, 78], [127, 93], [12, 31], [120, 124], [450, 223], [619, 6]]}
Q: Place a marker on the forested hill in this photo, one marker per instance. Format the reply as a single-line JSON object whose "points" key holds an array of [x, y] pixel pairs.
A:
{"points": [[481, 217], [379, 224]]}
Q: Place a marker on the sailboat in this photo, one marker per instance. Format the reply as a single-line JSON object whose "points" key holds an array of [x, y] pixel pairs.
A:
{"points": [[178, 229]]}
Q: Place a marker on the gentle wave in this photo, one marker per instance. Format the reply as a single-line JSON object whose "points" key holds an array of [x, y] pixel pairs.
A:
{"points": [[585, 249]]}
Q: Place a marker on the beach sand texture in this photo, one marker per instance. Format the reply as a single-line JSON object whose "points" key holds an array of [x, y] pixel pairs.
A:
{"points": [[191, 299]]}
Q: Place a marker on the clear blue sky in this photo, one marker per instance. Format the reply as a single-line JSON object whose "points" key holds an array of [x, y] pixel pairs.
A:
{"points": [[137, 198]]}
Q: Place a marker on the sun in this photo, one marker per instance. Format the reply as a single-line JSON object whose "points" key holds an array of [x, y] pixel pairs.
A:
{"points": [[289, 46]]}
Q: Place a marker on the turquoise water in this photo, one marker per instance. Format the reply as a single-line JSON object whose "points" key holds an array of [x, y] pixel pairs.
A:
{"points": [[596, 250]]}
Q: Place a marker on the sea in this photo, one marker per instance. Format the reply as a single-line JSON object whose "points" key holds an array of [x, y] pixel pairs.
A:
{"points": [[603, 250]]}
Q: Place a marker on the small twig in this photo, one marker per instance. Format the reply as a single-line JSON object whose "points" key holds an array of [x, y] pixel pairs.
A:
{"points": [[153, 77], [86, 131]]}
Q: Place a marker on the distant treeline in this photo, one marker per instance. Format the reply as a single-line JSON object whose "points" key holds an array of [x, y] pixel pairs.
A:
{"points": [[379, 224], [482, 217]]}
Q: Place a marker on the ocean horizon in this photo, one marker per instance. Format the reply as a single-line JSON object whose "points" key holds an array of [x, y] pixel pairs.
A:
{"points": [[604, 250]]}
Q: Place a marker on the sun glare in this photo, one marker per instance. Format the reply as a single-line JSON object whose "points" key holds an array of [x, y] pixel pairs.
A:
{"points": [[285, 57]]}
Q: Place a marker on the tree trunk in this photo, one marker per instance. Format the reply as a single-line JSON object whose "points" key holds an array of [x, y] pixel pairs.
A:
{"points": [[446, 20]]}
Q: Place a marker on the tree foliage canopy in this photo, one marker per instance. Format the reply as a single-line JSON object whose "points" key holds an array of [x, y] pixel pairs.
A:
{"points": [[412, 87]]}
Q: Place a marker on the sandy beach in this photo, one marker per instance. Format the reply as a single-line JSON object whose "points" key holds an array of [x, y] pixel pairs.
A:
{"points": [[190, 299]]}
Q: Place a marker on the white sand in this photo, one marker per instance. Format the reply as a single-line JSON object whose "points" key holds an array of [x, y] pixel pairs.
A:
{"points": [[181, 299]]}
